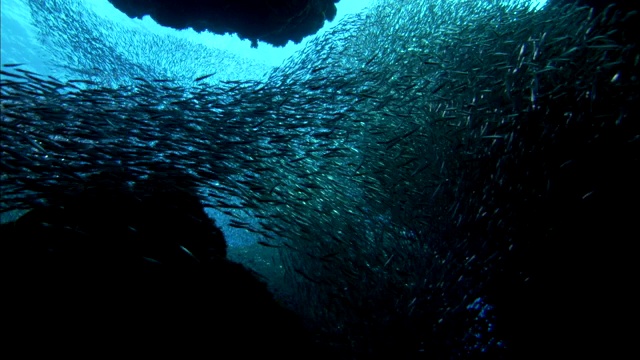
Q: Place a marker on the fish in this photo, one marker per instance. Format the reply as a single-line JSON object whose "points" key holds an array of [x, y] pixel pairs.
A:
{"points": [[351, 150], [10, 65], [200, 78], [266, 244]]}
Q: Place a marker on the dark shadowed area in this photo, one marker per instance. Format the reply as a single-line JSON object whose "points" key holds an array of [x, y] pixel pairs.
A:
{"points": [[141, 257], [600, 5], [273, 21]]}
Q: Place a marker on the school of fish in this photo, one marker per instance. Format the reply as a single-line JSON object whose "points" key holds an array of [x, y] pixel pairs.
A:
{"points": [[387, 162]]}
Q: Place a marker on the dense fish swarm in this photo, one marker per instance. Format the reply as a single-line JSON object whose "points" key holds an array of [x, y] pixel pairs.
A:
{"points": [[439, 178], [91, 46]]}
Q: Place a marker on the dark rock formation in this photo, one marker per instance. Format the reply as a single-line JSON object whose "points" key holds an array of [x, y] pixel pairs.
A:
{"points": [[135, 265], [275, 22]]}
